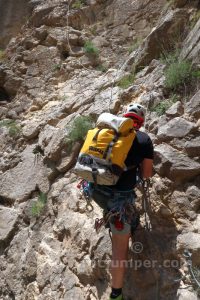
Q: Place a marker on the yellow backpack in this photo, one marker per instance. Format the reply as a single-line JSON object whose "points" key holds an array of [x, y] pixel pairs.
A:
{"points": [[101, 159]]}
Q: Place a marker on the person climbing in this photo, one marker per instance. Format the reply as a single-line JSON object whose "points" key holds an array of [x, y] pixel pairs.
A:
{"points": [[118, 200]]}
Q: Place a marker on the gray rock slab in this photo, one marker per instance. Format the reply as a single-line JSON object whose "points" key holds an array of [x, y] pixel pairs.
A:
{"points": [[173, 164], [18, 183], [175, 128], [152, 45], [75, 293], [183, 294], [191, 45], [192, 147], [175, 110], [191, 242], [193, 106], [8, 219]]}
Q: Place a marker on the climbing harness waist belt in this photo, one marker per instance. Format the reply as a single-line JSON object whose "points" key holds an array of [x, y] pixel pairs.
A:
{"points": [[114, 193]]}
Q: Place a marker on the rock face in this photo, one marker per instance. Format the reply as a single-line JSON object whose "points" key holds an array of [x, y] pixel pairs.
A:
{"points": [[152, 46], [18, 183], [193, 106], [13, 16], [176, 128], [48, 78], [174, 165], [191, 49]]}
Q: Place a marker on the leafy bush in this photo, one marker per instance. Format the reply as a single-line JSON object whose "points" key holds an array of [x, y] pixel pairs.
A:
{"points": [[126, 81], [89, 48], [13, 128], [78, 4], [78, 130], [177, 73], [38, 206], [163, 106]]}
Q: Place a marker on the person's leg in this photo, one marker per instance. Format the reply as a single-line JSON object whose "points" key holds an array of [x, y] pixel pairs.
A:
{"points": [[120, 244]]}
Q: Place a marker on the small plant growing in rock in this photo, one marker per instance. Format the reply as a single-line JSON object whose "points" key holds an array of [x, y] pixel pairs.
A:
{"points": [[78, 130], [56, 67], [39, 205], [13, 128], [126, 81], [93, 29], [90, 49], [2, 55], [78, 4], [163, 106], [103, 68], [194, 19]]}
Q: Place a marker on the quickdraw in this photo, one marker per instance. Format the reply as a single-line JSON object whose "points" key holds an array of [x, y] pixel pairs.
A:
{"points": [[84, 187]]}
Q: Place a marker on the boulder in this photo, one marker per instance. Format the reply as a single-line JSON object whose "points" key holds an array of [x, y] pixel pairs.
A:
{"points": [[19, 182], [12, 83], [193, 194], [75, 293], [8, 219], [192, 147], [31, 130], [175, 128], [175, 110], [191, 45], [183, 294], [191, 242], [173, 164], [181, 207], [193, 106], [52, 141]]}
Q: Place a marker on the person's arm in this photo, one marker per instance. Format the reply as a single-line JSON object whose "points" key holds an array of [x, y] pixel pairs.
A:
{"points": [[147, 168], [147, 163]]}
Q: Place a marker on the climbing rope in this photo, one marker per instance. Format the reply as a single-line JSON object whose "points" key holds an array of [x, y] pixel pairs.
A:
{"points": [[188, 256], [145, 202]]}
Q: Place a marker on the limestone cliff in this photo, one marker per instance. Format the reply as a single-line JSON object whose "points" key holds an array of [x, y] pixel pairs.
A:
{"points": [[48, 77]]}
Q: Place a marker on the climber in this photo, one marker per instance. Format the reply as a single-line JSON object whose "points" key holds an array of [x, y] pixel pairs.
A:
{"points": [[122, 195]]}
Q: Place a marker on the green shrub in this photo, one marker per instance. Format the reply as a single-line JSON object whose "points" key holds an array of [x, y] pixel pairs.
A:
{"points": [[78, 4], [38, 206], [56, 67], [163, 106], [126, 81], [78, 130], [93, 29], [90, 49], [13, 128], [102, 68], [195, 18], [177, 73], [2, 54]]}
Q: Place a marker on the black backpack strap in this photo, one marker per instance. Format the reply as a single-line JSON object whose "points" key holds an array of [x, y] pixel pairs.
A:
{"points": [[96, 134], [110, 145]]}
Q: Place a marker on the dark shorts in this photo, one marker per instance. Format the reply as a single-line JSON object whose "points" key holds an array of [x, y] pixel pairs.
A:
{"points": [[109, 199]]}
